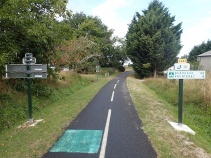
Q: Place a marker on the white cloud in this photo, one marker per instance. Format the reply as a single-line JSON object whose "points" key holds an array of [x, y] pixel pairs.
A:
{"points": [[201, 1], [108, 12], [78, 6], [197, 33], [111, 5], [116, 14], [208, 12]]}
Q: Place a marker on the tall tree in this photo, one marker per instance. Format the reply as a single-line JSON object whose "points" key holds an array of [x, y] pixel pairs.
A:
{"points": [[153, 41], [197, 50], [92, 29], [31, 26], [118, 56]]}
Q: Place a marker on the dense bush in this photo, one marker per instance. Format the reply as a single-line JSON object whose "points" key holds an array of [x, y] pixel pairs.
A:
{"points": [[41, 90], [14, 100], [121, 69]]}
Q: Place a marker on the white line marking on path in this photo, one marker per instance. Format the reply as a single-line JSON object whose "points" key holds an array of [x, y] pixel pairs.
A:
{"points": [[112, 97], [115, 86], [105, 136], [118, 81]]}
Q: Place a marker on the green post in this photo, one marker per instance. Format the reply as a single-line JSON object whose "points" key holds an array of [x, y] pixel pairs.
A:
{"points": [[29, 94], [97, 76], [180, 102]]}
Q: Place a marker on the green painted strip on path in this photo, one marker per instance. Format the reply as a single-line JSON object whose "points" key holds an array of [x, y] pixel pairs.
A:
{"points": [[79, 141]]}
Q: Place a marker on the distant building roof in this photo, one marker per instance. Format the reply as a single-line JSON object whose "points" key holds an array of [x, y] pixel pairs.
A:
{"points": [[205, 54]]}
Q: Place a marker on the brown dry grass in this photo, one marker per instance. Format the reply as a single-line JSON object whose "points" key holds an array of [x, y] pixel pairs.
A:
{"points": [[154, 114]]}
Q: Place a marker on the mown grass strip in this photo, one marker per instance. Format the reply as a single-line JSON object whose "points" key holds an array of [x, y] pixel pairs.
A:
{"points": [[33, 142], [155, 114]]}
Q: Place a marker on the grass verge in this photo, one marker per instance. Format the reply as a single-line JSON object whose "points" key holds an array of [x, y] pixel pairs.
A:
{"points": [[33, 142], [154, 113]]}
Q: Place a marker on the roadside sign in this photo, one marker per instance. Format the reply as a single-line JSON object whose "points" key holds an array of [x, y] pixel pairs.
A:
{"points": [[181, 66], [22, 68], [27, 70], [182, 71], [24, 75], [32, 60], [38, 68], [39, 75], [186, 75], [15, 68], [20, 71], [97, 68], [182, 60], [16, 75]]}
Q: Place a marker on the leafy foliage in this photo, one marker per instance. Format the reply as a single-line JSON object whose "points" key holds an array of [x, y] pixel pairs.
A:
{"points": [[92, 44], [76, 52], [13, 105], [197, 50], [47, 30], [153, 39], [31, 26]]}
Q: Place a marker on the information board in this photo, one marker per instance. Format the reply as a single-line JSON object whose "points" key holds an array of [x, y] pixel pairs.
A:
{"points": [[20, 71], [186, 75]]}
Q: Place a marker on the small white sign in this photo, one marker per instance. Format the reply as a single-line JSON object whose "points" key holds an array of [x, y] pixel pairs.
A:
{"points": [[97, 68], [186, 75], [38, 69], [181, 66], [38, 76]]}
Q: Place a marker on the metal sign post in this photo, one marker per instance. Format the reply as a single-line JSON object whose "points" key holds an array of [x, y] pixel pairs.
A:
{"points": [[29, 100], [27, 70], [182, 71], [27, 60], [180, 102]]}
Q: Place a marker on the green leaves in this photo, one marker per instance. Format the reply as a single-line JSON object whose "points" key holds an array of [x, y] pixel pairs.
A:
{"points": [[31, 26], [41, 27], [153, 38], [92, 29], [197, 50]]}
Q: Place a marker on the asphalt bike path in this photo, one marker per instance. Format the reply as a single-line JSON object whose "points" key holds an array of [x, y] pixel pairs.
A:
{"points": [[108, 127]]}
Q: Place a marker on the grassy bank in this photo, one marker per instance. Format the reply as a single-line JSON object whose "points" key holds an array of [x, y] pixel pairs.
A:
{"points": [[156, 109], [67, 103], [14, 99]]}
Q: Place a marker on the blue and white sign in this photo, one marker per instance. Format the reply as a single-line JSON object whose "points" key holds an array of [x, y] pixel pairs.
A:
{"points": [[181, 66], [186, 75]]}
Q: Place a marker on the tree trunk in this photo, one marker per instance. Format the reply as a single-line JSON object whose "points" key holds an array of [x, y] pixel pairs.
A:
{"points": [[155, 71], [1, 76]]}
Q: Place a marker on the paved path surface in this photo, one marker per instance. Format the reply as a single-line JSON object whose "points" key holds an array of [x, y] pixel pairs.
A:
{"points": [[108, 127]]}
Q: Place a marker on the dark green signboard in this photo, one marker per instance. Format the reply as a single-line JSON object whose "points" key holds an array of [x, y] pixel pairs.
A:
{"points": [[27, 70]]}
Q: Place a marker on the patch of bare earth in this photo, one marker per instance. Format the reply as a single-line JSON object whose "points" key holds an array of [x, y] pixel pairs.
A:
{"points": [[166, 141]]}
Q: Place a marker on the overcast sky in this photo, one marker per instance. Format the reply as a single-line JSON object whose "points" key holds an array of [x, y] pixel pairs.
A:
{"points": [[195, 16]]}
